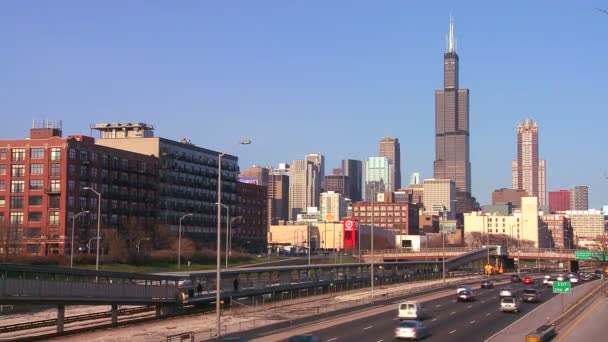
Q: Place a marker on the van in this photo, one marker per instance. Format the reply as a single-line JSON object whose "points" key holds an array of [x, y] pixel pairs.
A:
{"points": [[411, 310]]}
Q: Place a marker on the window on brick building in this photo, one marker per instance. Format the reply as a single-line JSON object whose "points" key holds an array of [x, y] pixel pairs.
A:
{"points": [[54, 217], [36, 169], [35, 200], [18, 154], [37, 153], [18, 170], [55, 153]]}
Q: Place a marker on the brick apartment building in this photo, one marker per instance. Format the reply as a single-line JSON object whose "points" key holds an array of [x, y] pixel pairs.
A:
{"points": [[400, 217], [41, 189]]}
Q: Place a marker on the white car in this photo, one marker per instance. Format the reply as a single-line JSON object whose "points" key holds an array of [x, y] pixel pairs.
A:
{"points": [[509, 304], [574, 280], [411, 330], [506, 292]]}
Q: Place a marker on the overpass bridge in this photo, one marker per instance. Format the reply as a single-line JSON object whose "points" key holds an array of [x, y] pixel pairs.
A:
{"points": [[23, 284]]}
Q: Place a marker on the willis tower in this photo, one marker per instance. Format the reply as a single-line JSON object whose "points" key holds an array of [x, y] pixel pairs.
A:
{"points": [[452, 130]]}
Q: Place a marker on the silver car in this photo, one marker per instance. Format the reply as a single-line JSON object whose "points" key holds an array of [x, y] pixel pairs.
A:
{"points": [[411, 330]]}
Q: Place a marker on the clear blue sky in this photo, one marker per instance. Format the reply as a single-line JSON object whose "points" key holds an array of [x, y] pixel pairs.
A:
{"points": [[329, 76]]}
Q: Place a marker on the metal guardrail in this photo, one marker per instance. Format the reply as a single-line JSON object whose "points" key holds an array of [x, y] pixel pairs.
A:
{"points": [[72, 319]]}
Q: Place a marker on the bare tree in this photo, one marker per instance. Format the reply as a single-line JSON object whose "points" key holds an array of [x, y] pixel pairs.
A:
{"points": [[10, 238], [161, 237], [115, 245], [187, 248], [600, 249]]}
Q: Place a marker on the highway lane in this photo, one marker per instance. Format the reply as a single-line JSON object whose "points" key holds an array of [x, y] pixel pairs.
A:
{"points": [[449, 320]]}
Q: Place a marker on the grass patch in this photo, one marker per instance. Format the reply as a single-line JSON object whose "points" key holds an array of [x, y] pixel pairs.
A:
{"points": [[157, 267]]}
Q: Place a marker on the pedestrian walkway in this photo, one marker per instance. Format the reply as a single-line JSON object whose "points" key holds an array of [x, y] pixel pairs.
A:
{"points": [[543, 314]]}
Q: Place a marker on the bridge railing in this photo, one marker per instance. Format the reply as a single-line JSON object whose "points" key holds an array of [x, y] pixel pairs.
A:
{"points": [[421, 251], [60, 289]]}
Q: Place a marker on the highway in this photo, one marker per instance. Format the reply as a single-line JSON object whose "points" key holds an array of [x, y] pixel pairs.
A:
{"points": [[449, 320]]}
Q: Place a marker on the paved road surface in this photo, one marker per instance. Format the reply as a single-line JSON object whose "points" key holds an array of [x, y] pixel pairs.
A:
{"points": [[590, 326], [449, 321]]}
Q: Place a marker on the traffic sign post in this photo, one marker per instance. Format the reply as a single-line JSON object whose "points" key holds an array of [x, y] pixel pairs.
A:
{"points": [[562, 287]]}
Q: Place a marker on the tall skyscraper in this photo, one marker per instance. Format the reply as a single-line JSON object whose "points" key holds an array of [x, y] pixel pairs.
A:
{"points": [[579, 198], [452, 130], [278, 197], [528, 171], [304, 187], [353, 169], [337, 183], [319, 161], [414, 178], [391, 149], [378, 176]]}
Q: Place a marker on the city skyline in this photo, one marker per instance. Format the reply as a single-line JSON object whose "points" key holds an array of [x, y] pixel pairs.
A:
{"points": [[372, 84]]}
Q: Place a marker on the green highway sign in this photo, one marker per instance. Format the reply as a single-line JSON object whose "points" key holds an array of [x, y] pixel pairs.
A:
{"points": [[562, 287], [582, 255]]}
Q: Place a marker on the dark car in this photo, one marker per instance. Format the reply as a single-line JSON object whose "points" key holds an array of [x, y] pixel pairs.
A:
{"points": [[486, 284], [304, 338], [598, 273], [515, 279], [531, 295], [465, 296]]}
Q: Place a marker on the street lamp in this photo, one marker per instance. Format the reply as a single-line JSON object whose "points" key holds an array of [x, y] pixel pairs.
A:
{"points": [[98, 222], [73, 227], [372, 239], [227, 228], [89, 243], [443, 259], [139, 243], [179, 241], [219, 238]]}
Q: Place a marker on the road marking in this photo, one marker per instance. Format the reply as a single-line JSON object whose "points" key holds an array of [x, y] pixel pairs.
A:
{"points": [[471, 322], [488, 314], [379, 340], [484, 301], [371, 326], [332, 339], [453, 312], [396, 318], [526, 315], [453, 331], [434, 319], [470, 306], [453, 301], [437, 305]]}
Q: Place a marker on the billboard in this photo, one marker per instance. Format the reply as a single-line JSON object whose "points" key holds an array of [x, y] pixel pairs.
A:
{"points": [[249, 180], [349, 227], [447, 226]]}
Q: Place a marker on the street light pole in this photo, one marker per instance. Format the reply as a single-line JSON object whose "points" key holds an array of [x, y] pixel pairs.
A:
{"points": [[443, 248], [372, 242], [139, 243], [227, 228], [73, 227], [179, 241], [98, 223], [219, 239]]}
